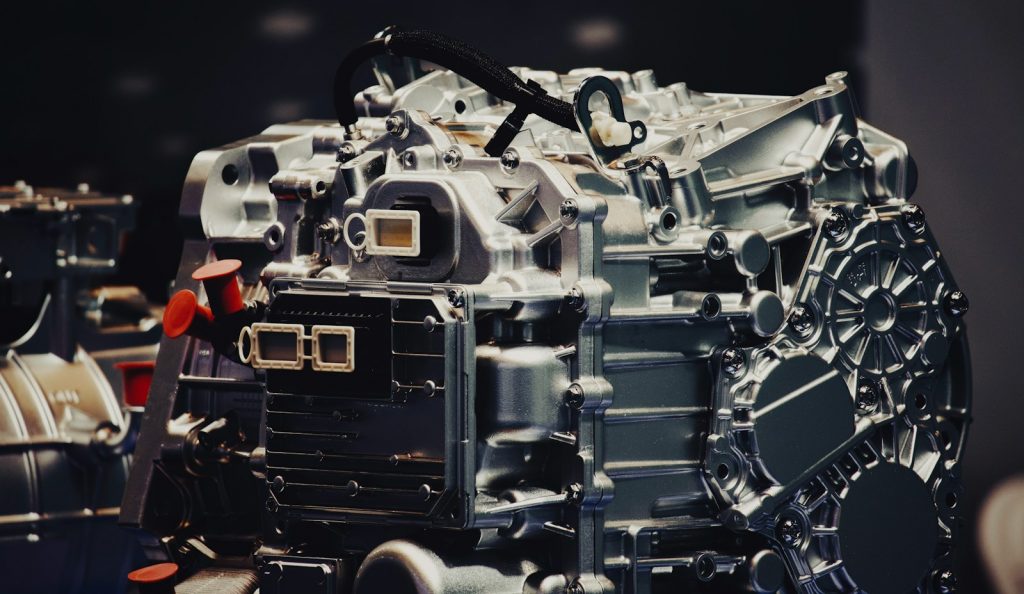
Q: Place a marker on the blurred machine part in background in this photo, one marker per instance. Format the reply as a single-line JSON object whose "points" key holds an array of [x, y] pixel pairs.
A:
{"points": [[620, 338], [69, 350]]}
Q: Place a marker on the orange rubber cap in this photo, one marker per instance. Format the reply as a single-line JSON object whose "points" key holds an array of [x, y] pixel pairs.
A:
{"points": [[184, 315], [221, 286], [136, 378], [155, 579]]}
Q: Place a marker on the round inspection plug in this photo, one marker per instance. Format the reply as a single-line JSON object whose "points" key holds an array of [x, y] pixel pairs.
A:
{"points": [[184, 315], [221, 286], [155, 579], [136, 377]]}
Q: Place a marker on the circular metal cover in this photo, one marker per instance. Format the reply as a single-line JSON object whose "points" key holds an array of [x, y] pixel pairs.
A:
{"points": [[888, 529], [802, 411]]}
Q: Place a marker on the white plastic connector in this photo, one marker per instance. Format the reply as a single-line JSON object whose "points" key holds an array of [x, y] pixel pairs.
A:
{"points": [[392, 232], [610, 131], [340, 356]]}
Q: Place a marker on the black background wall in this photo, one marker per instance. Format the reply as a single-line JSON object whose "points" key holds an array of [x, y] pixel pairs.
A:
{"points": [[122, 96]]}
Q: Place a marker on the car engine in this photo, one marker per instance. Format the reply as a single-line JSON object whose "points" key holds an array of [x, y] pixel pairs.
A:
{"points": [[513, 331]]}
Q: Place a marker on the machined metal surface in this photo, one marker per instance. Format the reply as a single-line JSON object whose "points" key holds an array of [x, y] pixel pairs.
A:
{"points": [[707, 343]]}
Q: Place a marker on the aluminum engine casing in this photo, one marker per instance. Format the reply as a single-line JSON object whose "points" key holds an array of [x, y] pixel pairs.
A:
{"points": [[729, 358]]}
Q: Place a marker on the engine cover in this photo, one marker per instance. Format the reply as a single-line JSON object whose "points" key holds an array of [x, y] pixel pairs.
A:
{"points": [[706, 344]]}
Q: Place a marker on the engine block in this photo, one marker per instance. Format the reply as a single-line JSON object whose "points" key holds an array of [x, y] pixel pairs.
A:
{"points": [[707, 344]]}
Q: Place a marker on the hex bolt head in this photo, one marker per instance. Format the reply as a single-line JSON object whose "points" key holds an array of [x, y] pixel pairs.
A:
{"points": [[346, 153], [568, 211], [574, 494], [452, 158], [945, 582], [577, 300], [733, 361], [913, 218], [789, 532], [456, 297], [575, 588], [574, 397], [957, 304], [836, 224], [509, 160], [395, 125], [802, 319], [278, 484], [329, 231], [868, 397], [408, 159]]}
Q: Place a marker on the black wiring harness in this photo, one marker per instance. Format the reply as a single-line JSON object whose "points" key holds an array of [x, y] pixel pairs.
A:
{"points": [[464, 60]]}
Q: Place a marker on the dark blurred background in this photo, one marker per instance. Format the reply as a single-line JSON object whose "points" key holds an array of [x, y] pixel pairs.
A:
{"points": [[122, 96]]}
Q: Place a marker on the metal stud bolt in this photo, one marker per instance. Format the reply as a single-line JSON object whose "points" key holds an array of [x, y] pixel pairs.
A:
{"points": [[395, 125], [836, 224], [452, 158], [733, 361], [456, 297], [509, 160], [789, 532], [957, 303], [802, 319], [913, 218]]}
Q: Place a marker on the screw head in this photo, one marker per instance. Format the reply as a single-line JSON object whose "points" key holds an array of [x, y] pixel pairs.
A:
{"points": [[395, 125], [574, 396], [836, 224], [957, 303], [574, 494], [568, 211], [945, 582], [868, 397], [577, 300], [913, 218], [509, 160], [733, 361], [789, 532], [347, 152], [452, 158], [456, 297], [802, 319]]}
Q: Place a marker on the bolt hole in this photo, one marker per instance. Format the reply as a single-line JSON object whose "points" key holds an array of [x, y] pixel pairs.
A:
{"points": [[321, 187], [669, 221], [920, 401], [229, 174], [951, 500], [717, 245], [722, 472], [706, 568], [460, 106], [711, 307]]}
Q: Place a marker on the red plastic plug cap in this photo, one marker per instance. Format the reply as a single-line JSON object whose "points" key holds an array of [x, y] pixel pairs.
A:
{"points": [[155, 579], [136, 377], [221, 286], [184, 315]]}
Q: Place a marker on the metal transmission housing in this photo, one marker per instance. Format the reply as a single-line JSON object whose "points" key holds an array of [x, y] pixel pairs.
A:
{"points": [[706, 344]]}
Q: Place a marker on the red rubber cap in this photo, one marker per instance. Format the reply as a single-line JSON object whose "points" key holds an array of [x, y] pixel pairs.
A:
{"points": [[136, 378], [184, 315], [155, 579], [221, 286]]}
